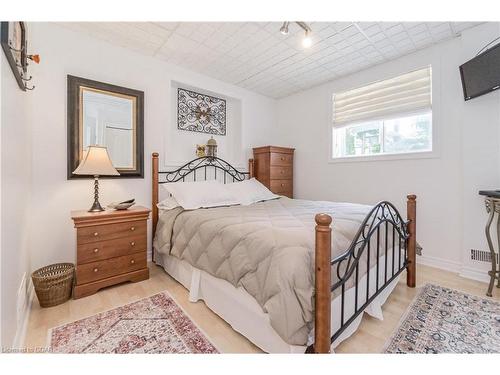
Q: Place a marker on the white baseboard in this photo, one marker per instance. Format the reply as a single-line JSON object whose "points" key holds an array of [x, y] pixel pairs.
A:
{"points": [[474, 274], [20, 336], [456, 267], [440, 263]]}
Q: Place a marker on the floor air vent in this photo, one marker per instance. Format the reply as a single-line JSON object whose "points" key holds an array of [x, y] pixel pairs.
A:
{"points": [[482, 256]]}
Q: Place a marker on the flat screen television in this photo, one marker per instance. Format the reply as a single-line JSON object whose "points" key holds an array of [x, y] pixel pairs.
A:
{"points": [[481, 74]]}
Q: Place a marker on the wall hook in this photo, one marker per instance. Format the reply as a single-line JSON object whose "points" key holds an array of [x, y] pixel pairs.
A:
{"points": [[15, 49]]}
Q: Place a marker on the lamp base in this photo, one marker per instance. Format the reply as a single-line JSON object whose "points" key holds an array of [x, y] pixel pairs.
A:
{"points": [[96, 207]]}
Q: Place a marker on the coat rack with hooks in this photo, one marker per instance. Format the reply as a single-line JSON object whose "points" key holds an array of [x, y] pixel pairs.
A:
{"points": [[15, 46]]}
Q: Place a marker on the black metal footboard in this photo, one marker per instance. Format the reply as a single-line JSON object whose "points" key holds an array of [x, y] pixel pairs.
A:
{"points": [[378, 254]]}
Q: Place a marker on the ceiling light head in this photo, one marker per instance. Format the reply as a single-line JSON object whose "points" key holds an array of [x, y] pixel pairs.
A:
{"points": [[306, 42], [284, 28]]}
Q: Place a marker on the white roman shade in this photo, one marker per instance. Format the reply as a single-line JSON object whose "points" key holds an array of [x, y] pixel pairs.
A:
{"points": [[400, 95]]}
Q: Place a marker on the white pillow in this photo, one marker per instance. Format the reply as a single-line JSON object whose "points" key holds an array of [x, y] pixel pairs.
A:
{"points": [[168, 204], [201, 194], [250, 191]]}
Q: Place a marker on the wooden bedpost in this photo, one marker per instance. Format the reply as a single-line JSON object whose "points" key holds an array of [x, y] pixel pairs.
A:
{"points": [[322, 324], [411, 270], [154, 202], [251, 172]]}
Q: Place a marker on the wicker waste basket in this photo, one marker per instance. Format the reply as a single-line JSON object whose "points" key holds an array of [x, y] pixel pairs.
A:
{"points": [[53, 284]]}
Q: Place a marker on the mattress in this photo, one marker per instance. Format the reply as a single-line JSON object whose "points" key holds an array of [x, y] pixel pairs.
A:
{"points": [[268, 249], [240, 310]]}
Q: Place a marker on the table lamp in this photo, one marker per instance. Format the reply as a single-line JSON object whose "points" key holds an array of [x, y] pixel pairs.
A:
{"points": [[96, 162]]}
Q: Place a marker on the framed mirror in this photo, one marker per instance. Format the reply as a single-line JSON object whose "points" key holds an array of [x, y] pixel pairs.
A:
{"points": [[106, 115]]}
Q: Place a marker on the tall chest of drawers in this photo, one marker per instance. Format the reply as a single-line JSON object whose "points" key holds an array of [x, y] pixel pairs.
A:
{"points": [[111, 248], [273, 167]]}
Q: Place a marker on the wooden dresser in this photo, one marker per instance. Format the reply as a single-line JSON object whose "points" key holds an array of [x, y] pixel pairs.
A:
{"points": [[111, 248], [273, 166]]}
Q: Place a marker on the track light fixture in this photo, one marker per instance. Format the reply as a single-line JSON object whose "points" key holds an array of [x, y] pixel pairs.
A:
{"points": [[306, 42], [284, 28]]}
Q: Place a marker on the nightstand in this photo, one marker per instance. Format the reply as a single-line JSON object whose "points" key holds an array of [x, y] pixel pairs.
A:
{"points": [[110, 248]]}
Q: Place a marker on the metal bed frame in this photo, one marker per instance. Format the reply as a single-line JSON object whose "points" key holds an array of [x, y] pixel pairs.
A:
{"points": [[384, 220]]}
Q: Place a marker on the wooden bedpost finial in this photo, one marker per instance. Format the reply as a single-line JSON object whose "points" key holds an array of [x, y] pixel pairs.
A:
{"points": [[411, 197], [323, 219], [155, 154]]}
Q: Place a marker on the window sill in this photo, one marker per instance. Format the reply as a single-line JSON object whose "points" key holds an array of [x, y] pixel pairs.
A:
{"points": [[385, 157]]}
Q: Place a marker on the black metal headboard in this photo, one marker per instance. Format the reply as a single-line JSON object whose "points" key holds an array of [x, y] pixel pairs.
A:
{"points": [[206, 164]]}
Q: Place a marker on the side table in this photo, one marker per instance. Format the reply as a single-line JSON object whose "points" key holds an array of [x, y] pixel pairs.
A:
{"points": [[492, 203]]}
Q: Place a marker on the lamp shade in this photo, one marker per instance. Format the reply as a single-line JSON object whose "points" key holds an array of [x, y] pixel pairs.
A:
{"points": [[96, 162]]}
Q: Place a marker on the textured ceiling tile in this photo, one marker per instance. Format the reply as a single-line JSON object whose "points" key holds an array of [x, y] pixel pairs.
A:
{"points": [[257, 56], [185, 28], [167, 25]]}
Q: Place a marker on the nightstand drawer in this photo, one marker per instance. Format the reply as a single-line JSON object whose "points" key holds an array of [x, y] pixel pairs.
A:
{"points": [[281, 172], [278, 158], [110, 231], [95, 251], [89, 272]]}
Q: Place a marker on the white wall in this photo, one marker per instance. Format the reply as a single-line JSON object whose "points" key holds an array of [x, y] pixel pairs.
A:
{"points": [[15, 128], [66, 52], [480, 120], [440, 182]]}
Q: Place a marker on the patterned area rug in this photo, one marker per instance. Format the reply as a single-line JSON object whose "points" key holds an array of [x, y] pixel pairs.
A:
{"points": [[442, 320], [152, 325]]}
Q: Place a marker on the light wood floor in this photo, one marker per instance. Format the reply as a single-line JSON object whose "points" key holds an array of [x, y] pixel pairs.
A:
{"points": [[370, 338]]}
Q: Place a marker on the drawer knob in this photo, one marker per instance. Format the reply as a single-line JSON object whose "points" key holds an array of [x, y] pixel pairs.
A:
{"points": [[95, 270], [132, 243], [96, 250], [132, 261], [282, 185], [283, 158], [132, 228], [282, 171], [96, 234]]}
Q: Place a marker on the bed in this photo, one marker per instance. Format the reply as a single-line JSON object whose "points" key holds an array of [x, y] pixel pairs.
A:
{"points": [[274, 270]]}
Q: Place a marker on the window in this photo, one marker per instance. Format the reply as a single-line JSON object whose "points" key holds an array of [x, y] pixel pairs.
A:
{"points": [[387, 117]]}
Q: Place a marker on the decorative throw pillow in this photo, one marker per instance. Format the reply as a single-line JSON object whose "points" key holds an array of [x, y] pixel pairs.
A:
{"points": [[168, 203], [250, 191], [201, 194]]}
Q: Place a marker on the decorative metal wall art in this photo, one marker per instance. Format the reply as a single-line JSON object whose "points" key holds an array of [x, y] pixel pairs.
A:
{"points": [[200, 113]]}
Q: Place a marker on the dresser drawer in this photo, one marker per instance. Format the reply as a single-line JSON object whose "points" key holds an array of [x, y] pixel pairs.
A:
{"points": [[281, 186], [278, 158], [281, 172], [110, 231], [91, 252], [89, 272]]}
